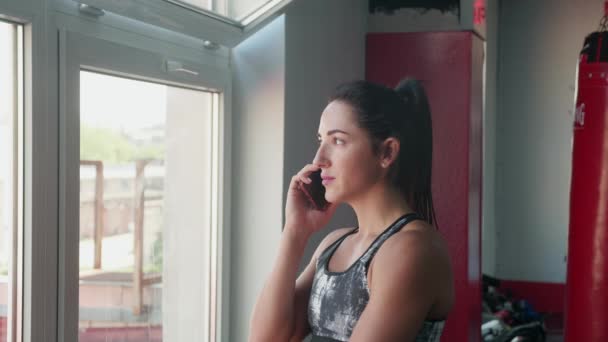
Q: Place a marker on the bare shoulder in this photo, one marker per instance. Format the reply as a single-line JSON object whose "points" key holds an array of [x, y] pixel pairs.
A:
{"points": [[415, 263], [419, 237], [417, 246]]}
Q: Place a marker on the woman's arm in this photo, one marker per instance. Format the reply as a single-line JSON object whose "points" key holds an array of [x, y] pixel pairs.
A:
{"points": [[282, 303], [273, 316], [281, 311], [404, 286]]}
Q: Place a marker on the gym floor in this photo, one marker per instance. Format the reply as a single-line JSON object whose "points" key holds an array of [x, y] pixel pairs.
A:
{"points": [[555, 338]]}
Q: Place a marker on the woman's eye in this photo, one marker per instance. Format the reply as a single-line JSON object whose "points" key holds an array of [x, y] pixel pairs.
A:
{"points": [[339, 141]]}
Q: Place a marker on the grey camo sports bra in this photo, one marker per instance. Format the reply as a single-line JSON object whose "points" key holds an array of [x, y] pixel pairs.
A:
{"points": [[337, 299]]}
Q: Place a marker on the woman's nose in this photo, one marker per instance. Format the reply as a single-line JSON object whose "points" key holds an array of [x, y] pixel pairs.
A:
{"points": [[321, 159]]}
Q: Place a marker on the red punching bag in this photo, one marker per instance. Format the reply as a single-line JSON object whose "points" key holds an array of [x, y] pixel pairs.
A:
{"points": [[587, 279]]}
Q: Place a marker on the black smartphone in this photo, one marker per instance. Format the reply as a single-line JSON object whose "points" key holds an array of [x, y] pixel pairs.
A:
{"points": [[315, 191]]}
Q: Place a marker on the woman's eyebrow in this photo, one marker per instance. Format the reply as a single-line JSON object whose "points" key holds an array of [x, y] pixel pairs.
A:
{"points": [[333, 131]]}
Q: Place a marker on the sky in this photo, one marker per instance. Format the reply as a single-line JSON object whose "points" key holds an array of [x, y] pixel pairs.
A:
{"points": [[120, 103], [6, 71], [6, 134]]}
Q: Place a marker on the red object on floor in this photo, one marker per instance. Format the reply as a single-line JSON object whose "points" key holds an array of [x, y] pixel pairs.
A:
{"points": [[544, 297], [587, 279], [450, 66], [505, 316]]}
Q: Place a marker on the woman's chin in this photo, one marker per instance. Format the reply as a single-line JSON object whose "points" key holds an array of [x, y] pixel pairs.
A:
{"points": [[332, 198]]}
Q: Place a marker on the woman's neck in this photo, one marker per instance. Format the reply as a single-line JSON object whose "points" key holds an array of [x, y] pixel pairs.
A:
{"points": [[379, 208]]}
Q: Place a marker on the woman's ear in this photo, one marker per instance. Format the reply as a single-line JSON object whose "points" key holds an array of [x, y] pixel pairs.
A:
{"points": [[389, 152]]}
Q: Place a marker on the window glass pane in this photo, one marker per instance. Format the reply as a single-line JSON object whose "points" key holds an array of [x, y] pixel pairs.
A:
{"points": [[10, 179], [239, 9], [145, 211], [234, 9]]}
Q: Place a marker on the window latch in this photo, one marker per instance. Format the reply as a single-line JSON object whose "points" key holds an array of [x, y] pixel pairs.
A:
{"points": [[174, 66], [90, 10]]}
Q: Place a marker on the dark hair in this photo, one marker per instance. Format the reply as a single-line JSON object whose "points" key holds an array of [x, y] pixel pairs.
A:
{"points": [[402, 113]]}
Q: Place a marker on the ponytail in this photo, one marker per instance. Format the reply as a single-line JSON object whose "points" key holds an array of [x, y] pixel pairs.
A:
{"points": [[418, 110]]}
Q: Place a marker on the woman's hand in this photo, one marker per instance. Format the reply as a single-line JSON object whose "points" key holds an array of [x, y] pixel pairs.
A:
{"points": [[299, 214]]}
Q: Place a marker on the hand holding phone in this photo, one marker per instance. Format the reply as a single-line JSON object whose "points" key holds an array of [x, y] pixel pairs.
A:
{"points": [[315, 191], [306, 210]]}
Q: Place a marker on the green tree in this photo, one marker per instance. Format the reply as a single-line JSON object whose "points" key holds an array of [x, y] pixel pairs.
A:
{"points": [[113, 147]]}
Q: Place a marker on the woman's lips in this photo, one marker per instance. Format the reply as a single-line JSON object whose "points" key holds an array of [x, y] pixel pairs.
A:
{"points": [[327, 180]]}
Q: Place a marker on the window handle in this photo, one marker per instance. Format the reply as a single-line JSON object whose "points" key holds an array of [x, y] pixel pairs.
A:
{"points": [[174, 66], [90, 10]]}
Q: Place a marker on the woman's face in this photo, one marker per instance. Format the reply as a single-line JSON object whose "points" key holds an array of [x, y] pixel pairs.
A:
{"points": [[349, 166]]}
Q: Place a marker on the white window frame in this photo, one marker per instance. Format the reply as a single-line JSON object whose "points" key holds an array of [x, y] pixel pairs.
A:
{"points": [[42, 20], [15, 283], [190, 20], [78, 51], [39, 258]]}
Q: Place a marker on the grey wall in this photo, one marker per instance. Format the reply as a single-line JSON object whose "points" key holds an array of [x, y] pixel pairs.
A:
{"points": [[325, 46], [488, 220], [257, 163], [539, 43], [239, 8], [283, 75]]}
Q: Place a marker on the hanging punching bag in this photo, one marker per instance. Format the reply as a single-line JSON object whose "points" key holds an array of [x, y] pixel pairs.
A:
{"points": [[587, 280]]}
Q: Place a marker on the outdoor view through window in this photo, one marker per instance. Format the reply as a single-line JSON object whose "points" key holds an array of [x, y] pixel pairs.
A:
{"points": [[11, 168], [147, 240], [234, 9]]}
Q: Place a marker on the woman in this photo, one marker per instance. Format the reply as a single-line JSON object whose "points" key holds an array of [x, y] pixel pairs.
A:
{"points": [[390, 278]]}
